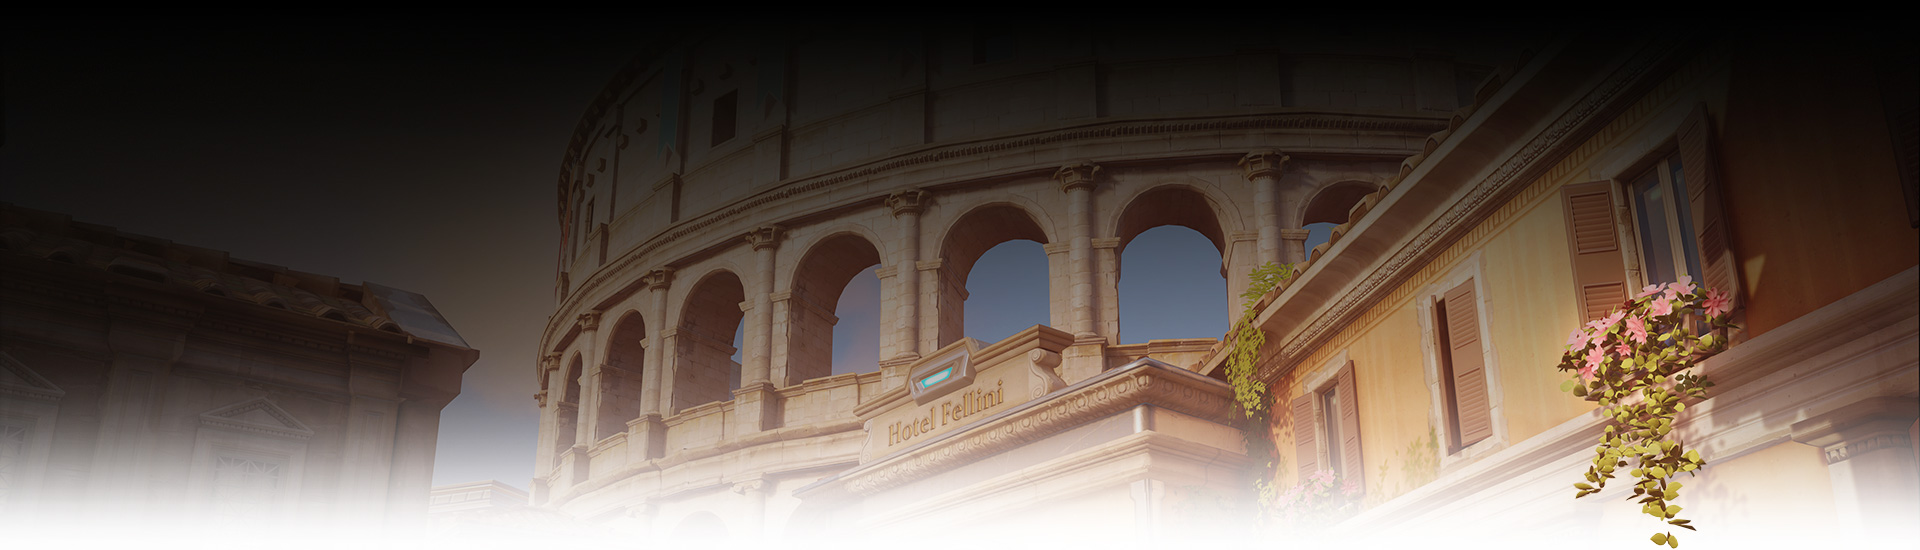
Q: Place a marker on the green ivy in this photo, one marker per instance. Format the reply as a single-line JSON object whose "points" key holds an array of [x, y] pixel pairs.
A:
{"points": [[1633, 364], [1248, 390]]}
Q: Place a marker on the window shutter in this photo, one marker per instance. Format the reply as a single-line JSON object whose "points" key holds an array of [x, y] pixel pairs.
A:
{"points": [[1703, 194], [1469, 364], [1599, 271], [1350, 427], [1305, 430]]}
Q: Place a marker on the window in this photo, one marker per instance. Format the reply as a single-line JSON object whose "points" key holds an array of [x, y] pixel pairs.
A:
{"points": [[1664, 218], [725, 114], [1463, 378], [244, 487], [1327, 426]]}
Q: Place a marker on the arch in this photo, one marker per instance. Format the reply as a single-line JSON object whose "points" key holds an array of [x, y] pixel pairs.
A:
{"points": [[568, 417], [1179, 206], [822, 275], [620, 378], [968, 238], [1331, 202], [704, 370], [1172, 204]]}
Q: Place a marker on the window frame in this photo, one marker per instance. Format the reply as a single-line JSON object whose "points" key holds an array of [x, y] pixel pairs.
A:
{"points": [[1441, 417], [1321, 382], [1681, 243]]}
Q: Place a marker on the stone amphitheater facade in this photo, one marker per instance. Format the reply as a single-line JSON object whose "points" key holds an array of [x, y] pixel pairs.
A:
{"points": [[746, 175]]}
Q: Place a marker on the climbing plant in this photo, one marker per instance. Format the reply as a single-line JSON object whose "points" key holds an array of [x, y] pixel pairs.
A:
{"points": [[1633, 362], [1249, 391]]}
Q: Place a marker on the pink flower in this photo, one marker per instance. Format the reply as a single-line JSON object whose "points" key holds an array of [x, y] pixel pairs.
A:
{"points": [[1662, 306], [1683, 286], [1622, 349], [1637, 330], [1586, 372], [1718, 303], [1594, 358], [1648, 291], [1579, 338]]}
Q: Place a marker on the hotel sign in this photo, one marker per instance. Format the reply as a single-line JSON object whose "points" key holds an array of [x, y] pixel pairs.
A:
{"points": [[950, 390]]}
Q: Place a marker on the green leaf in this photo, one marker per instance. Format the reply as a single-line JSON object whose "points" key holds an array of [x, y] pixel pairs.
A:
{"points": [[1673, 510], [1566, 386], [1672, 541], [1582, 486], [1659, 472], [1659, 538]]}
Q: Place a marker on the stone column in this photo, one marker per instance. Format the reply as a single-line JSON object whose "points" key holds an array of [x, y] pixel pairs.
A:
{"points": [[646, 434], [1263, 169], [755, 405], [417, 431], [1293, 246], [589, 326], [905, 332], [144, 348], [548, 400], [1077, 181], [1106, 295], [1870, 459], [1087, 356]]}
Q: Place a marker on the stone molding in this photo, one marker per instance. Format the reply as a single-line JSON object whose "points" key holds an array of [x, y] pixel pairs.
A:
{"points": [[1106, 242], [589, 320], [764, 237], [1294, 234], [1144, 382], [33, 386], [1840, 453], [1261, 164], [228, 418], [658, 278]]}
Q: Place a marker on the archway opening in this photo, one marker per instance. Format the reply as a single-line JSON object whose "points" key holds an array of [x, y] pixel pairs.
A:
{"points": [[996, 251], [620, 379], [1328, 208], [1172, 275], [707, 343], [834, 309], [568, 419], [1170, 286]]}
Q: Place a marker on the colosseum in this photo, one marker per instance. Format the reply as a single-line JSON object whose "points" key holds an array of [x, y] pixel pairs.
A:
{"points": [[737, 179]]}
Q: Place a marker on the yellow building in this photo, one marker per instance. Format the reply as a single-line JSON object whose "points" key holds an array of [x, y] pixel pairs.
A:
{"points": [[1424, 337]]}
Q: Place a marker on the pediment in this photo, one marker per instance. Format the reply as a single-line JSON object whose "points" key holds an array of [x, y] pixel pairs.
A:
{"points": [[16, 380], [259, 416]]}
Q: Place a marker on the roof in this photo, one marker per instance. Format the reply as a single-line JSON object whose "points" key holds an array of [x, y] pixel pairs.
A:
{"points": [[56, 237]]}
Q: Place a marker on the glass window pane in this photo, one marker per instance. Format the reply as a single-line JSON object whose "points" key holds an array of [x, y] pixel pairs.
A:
{"points": [[1330, 405], [1684, 211], [1650, 212]]}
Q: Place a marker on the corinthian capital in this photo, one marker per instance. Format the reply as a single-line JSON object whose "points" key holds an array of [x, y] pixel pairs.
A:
{"points": [[764, 236], [1074, 176], [912, 201], [589, 320], [1263, 164], [658, 278]]}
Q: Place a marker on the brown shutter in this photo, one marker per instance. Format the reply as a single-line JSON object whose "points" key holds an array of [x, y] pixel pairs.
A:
{"points": [[1469, 364], [1599, 272], [1350, 427], [1702, 179], [1305, 430]]}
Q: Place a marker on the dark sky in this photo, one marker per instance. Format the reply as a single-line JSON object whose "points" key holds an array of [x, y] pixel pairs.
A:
{"points": [[415, 155]]}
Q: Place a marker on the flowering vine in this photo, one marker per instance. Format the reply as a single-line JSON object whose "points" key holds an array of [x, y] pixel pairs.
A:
{"points": [[1322, 499], [1249, 391], [1633, 362]]}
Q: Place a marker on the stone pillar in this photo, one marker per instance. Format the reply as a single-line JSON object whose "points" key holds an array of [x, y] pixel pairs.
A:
{"points": [[1059, 284], [904, 335], [1077, 181], [371, 416], [1106, 289], [548, 399], [1263, 169], [589, 326], [755, 491], [1870, 459], [755, 405], [1293, 246], [646, 436], [144, 348]]}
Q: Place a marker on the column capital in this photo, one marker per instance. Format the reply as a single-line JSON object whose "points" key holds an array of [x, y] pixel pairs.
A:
{"points": [[658, 278], [749, 486], [550, 361], [912, 201], [1078, 175], [589, 320], [764, 237], [1263, 164], [1294, 234], [541, 398]]}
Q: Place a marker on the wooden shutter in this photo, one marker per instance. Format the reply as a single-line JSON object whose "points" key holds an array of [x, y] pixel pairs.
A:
{"points": [[1350, 427], [1469, 365], [1599, 271], [1305, 430], [1702, 179]]}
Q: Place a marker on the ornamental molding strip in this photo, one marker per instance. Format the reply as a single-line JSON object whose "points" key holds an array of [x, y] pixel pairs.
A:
{"points": [[1572, 127], [1142, 382], [257, 416]]}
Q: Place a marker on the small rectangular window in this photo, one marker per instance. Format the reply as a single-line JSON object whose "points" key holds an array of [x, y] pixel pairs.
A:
{"points": [[1664, 218], [725, 115], [1330, 422]]}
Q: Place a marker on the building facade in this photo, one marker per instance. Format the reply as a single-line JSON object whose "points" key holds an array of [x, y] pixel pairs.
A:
{"points": [[1416, 354], [736, 179], [163, 384]]}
